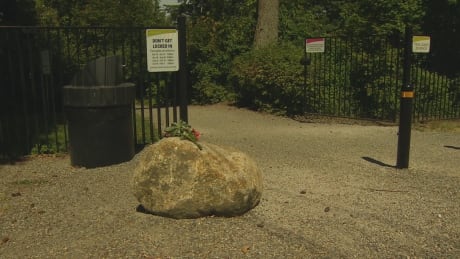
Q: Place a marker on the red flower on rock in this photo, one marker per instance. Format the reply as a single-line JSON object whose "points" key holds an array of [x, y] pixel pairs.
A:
{"points": [[196, 133], [184, 131]]}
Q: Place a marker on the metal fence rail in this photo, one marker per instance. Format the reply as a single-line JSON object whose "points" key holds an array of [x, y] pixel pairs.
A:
{"points": [[36, 64]]}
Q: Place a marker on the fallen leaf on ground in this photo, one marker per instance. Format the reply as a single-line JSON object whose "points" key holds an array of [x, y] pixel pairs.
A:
{"points": [[5, 239], [245, 249]]}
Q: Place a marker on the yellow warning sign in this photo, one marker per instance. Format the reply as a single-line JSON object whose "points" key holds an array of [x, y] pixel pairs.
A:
{"points": [[421, 44], [162, 50]]}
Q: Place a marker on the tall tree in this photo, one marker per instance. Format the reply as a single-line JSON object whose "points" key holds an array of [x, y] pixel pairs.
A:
{"points": [[267, 23]]}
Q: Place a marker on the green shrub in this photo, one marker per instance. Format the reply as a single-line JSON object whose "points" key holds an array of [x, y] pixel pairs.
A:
{"points": [[212, 45], [208, 92], [206, 88], [52, 142], [270, 79], [434, 98]]}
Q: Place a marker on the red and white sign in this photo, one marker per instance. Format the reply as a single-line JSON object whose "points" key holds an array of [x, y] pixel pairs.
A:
{"points": [[315, 45]]}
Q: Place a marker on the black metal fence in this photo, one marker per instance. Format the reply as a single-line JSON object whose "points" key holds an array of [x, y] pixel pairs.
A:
{"points": [[359, 78], [362, 78], [37, 62]]}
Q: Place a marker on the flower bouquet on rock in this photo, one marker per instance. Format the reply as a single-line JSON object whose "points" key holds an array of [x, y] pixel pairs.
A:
{"points": [[184, 131]]}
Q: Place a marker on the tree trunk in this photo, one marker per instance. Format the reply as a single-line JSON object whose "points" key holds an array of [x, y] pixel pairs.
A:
{"points": [[267, 23]]}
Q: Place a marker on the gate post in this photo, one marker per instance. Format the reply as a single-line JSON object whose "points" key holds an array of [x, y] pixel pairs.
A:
{"points": [[407, 94], [183, 91]]}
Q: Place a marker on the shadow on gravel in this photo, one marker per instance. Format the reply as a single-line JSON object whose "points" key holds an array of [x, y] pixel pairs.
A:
{"points": [[452, 147], [374, 161], [12, 160], [141, 209]]}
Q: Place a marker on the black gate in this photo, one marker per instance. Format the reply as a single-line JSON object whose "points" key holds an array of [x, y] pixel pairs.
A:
{"points": [[362, 78], [37, 62]]}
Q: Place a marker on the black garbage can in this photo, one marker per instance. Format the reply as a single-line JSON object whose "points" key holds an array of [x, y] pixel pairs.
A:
{"points": [[99, 114]]}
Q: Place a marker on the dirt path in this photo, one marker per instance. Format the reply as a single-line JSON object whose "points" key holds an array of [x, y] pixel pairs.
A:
{"points": [[330, 191]]}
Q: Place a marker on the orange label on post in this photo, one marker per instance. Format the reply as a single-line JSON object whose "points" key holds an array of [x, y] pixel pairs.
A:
{"points": [[407, 94]]}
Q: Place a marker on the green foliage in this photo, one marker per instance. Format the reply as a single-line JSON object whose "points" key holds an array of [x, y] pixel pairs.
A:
{"points": [[208, 62], [155, 93], [218, 9], [100, 13], [360, 82], [47, 15], [208, 92], [184, 131], [222, 30], [435, 95], [217, 34], [300, 18], [379, 17], [145, 130], [52, 142], [270, 79]]}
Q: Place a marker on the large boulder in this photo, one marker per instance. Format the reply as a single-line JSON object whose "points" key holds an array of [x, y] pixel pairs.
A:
{"points": [[175, 178]]}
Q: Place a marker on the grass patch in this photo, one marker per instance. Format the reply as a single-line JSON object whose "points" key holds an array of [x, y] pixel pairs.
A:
{"points": [[439, 126], [51, 143], [144, 133]]}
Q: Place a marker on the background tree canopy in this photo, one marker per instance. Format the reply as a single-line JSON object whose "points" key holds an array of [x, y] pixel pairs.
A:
{"points": [[99, 13], [347, 18]]}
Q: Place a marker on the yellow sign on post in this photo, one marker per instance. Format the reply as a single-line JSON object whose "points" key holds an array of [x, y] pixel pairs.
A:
{"points": [[162, 50], [421, 44]]}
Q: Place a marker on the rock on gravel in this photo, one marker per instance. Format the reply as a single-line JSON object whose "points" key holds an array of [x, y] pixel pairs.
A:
{"points": [[175, 178]]}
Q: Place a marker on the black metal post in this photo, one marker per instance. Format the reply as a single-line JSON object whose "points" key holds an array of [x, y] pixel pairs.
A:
{"points": [[304, 106], [183, 95], [407, 95], [305, 61]]}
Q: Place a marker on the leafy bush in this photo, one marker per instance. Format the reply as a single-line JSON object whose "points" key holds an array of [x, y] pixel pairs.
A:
{"points": [[208, 92], [207, 86], [435, 97], [270, 79], [212, 45]]}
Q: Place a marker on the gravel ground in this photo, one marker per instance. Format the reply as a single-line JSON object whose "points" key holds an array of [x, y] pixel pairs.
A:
{"points": [[331, 190]]}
